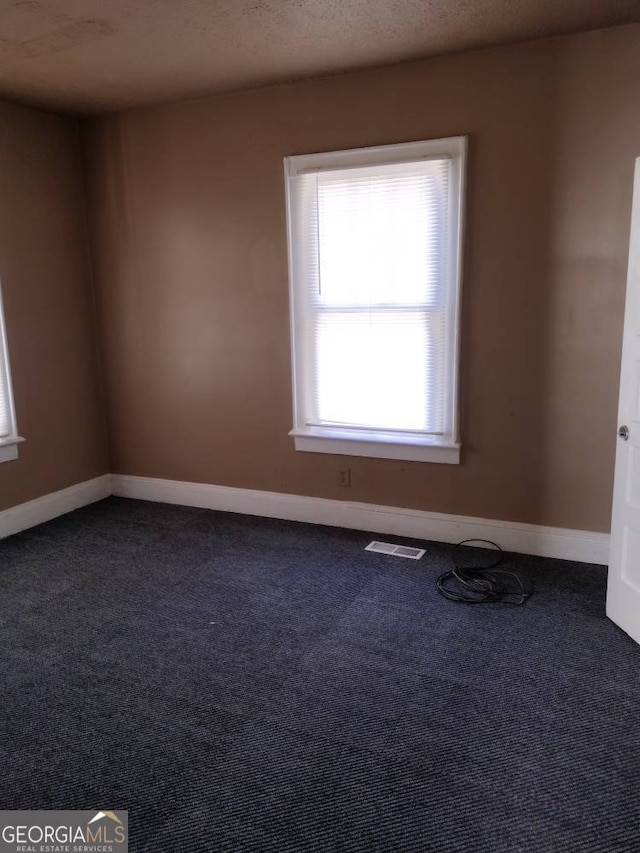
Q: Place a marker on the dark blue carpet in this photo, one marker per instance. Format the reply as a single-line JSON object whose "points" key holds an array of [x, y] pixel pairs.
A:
{"points": [[242, 684]]}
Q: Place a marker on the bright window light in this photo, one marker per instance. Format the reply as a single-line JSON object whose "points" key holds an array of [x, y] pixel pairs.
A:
{"points": [[374, 244], [8, 431]]}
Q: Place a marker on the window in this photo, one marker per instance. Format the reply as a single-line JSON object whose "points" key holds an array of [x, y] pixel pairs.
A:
{"points": [[8, 431], [374, 267]]}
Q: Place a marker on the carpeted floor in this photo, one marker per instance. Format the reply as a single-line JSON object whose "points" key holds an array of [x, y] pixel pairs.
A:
{"points": [[242, 684]]}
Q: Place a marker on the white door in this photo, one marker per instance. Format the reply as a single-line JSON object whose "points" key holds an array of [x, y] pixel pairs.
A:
{"points": [[623, 590]]}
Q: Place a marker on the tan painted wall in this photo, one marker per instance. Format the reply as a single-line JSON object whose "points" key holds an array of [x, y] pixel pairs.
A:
{"points": [[188, 225], [48, 307]]}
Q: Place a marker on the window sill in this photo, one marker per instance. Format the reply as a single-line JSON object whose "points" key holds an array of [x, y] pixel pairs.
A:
{"points": [[9, 448], [377, 445]]}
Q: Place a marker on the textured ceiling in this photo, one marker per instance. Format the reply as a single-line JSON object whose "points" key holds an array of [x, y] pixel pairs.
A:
{"points": [[97, 55]]}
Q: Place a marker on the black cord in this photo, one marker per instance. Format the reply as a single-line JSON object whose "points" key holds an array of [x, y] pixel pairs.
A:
{"points": [[485, 584]]}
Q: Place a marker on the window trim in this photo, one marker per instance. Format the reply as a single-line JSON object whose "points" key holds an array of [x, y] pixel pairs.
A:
{"points": [[380, 444], [8, 443], [377, 445]]}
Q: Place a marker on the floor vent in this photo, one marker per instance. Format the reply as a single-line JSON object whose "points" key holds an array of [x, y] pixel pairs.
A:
{"points": [[395, 550]]}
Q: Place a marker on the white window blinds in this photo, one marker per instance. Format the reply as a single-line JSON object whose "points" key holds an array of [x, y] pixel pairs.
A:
{"points": [[373, 255], [7, 420]]}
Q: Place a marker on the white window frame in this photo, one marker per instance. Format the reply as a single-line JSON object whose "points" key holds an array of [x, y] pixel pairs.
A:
{"points": [[8, 443], [357, 442]]}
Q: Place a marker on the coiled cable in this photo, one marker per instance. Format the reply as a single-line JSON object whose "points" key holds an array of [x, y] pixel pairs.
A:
{"points": [[486, 584]]}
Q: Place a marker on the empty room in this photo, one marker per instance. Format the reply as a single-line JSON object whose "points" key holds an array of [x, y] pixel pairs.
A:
{"points": [[320, 426]]}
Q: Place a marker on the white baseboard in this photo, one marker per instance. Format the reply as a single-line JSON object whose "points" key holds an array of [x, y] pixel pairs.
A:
{"points": [[37, 511], [579, 545]]}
